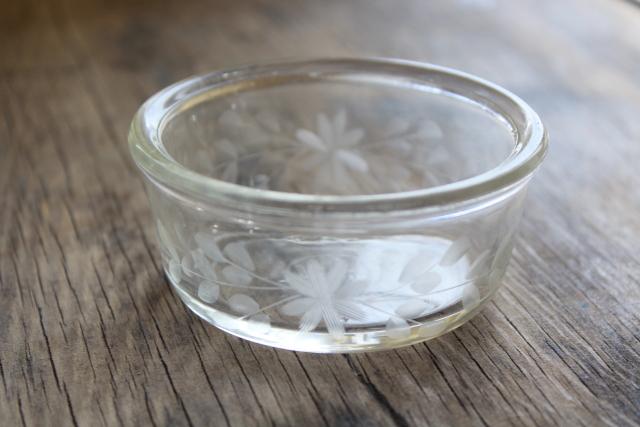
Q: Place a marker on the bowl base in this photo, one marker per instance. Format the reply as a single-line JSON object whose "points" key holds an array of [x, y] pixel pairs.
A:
{"points": [[352, 341]]}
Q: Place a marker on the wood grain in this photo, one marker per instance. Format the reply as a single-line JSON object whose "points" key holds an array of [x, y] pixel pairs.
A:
{"points": [[90, 333]]}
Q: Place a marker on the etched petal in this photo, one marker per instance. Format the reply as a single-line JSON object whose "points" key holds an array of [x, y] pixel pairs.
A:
{"points": [[297, 307], [208, 291], [456, 251], [413, 308], [260, 323], [236, 276], [310, 139], [237, 252], [353, 160], [202, 265], [243, 304], [337, 178], [333, 322], [261, 181], [350, 310], [207, 242], [310, 319], [397, 328], [187, 265]]}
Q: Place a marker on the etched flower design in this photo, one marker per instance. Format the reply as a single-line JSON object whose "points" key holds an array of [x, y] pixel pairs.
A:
{"points": [[329, 156], [337, 285], [324, 294]]}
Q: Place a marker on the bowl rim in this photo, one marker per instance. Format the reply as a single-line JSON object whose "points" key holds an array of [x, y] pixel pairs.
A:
{"points": [[145, 135]]}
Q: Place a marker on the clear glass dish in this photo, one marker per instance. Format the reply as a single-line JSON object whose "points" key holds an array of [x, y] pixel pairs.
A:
{"points": [[336, 205]]}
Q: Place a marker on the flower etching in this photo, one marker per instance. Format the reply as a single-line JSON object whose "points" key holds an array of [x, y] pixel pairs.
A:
{"points": [[330, 155], [323, 294]]}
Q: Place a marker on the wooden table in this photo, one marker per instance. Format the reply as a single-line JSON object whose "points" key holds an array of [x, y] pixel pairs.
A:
{"points": [[90, 333]]}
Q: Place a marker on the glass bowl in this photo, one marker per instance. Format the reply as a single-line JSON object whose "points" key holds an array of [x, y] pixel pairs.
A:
{"points": [[336, 205]]}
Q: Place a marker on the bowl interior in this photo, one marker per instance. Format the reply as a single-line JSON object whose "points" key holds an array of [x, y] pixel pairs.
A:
{"points": [[349, 135]]}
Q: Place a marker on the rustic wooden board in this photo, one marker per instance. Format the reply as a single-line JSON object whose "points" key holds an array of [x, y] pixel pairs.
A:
{"points": [[90, 333]]}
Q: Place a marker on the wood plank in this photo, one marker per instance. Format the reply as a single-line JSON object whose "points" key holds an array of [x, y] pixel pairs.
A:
{"points": [[90, 333]]}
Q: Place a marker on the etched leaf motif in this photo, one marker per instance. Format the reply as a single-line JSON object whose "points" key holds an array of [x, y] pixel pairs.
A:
{"points": [[413, 308], [260, 323], [208, 291], [237, 252], [397, 328], [236, 275], [202, 265], [455, 252], [243, 304], [207, 242]]}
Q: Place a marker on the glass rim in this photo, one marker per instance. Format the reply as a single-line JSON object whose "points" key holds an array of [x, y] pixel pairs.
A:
{"points": [[530, 143]]}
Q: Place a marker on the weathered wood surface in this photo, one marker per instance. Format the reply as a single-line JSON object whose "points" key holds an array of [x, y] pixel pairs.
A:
{"points": [[90, 333]]}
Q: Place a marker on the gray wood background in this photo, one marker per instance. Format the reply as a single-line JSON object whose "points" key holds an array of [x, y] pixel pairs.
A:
{"points": [[90, 333]]}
